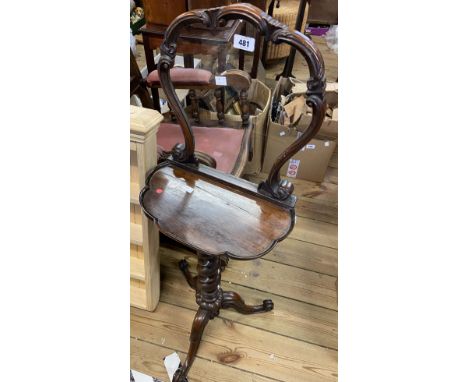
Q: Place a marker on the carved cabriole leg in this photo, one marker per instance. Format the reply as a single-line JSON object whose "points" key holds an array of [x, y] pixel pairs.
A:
{"points": [[199, 323], [209, 298], [233, 300]]}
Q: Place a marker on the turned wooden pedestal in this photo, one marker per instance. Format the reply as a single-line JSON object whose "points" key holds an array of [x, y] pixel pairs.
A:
{"points": [[210, 299]]}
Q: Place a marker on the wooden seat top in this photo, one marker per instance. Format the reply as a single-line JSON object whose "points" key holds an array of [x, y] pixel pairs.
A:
{"points": [[212, 217]]}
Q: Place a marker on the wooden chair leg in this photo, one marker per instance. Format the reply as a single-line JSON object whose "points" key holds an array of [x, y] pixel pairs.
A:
{"points": [[234, 300], [144, 97], [199, 323], [219, 104], [241, 52]]}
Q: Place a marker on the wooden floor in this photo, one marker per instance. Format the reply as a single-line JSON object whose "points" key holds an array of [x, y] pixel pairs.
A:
{"points": [[297, 341]]}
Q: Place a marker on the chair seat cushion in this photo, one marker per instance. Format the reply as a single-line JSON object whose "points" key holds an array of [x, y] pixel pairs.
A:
{"points": [[222, 144], [182, 77]]}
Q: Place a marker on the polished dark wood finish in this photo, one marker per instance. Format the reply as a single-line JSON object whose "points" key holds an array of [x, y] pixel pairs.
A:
{"points": [[211, 218], [217, 215], [210, 299], [273, 31]]}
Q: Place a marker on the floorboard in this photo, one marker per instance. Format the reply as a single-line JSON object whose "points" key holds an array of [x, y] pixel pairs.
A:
{"points": [[146, 357], [241, 346], [279, 279], [291, 318]]}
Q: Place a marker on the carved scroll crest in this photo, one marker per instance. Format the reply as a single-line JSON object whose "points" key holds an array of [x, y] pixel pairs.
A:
{"points": [[273, 31]]}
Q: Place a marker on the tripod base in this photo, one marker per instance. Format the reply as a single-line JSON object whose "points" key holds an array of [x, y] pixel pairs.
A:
{"points": [[210, 299]]}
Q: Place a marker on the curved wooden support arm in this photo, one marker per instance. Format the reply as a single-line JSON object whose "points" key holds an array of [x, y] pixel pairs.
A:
{"points": [[273, 31]]}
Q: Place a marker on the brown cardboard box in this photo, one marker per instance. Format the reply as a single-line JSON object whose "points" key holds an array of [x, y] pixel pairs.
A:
{"points": [[309, 164], [259, 94], [312, 161]]}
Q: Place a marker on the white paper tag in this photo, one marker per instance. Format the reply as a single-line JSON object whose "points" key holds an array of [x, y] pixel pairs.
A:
{"points": [[310, 146], [282, 133], [244, 42], [326, 143], [140, 377], [220, 80], [171, 362], [293, 167]]}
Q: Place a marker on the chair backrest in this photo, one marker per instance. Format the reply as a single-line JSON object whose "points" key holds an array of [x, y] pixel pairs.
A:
{"points": [[272, 30]]}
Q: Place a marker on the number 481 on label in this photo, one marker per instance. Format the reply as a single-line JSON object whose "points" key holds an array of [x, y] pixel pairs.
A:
{"points": [[244, 42]]}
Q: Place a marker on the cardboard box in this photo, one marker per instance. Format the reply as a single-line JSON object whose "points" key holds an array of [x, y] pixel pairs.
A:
{"points": [[259, 94], [311, 162]]}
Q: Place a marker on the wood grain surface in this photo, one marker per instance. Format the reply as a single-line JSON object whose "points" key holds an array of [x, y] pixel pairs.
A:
{"points": [[214, 218]]}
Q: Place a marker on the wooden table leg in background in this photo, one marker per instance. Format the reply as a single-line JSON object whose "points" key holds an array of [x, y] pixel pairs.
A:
{"points": [[241, 52], [188, 60]]}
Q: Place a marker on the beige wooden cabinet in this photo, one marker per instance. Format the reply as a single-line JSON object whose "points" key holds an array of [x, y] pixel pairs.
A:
{"points": [[144, 235]]}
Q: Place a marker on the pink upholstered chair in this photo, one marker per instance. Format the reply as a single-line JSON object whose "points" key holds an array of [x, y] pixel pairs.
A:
{"points": [[221, 144]]}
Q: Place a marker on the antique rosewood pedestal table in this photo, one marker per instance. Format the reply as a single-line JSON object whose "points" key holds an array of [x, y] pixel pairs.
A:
{"points": [[218, 215]]}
